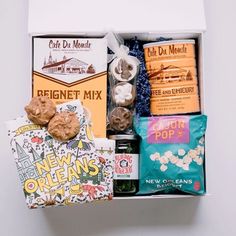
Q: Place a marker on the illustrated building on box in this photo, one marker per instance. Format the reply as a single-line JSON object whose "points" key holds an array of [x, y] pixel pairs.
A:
{"points": [[25, 166], [171, 73], [66, 66]]}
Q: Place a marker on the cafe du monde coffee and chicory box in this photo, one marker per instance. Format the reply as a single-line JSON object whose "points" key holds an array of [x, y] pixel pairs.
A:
{"points": [[67, 69]]}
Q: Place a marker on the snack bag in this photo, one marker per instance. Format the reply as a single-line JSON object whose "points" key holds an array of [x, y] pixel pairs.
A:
{"points": [[56, 172], [171, 154]]}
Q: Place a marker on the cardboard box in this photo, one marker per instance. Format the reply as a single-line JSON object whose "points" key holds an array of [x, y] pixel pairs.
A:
{"points": [[181, 19], [66, 69]]}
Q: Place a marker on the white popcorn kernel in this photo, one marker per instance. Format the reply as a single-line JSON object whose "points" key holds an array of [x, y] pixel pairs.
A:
{"points": [[185, 167], [181, 152], [179, 163], [192, 153], [153, 157], [199, 161], [157, 155], [163, 168], [187, 160], [174, 159], [168, 154], [164, 160], [198, 150]]}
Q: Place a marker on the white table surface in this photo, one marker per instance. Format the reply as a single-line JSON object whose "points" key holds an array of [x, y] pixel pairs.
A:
{"points": [[213, 215]]}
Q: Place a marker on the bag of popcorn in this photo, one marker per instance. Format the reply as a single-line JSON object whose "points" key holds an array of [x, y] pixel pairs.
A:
{"points": [[172, 154]]}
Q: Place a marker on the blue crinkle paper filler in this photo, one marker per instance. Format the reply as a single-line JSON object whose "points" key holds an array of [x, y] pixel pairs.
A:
{"points": [[143, 88]]}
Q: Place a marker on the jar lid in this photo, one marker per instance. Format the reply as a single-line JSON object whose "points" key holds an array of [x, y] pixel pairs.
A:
{"points": [[124, 137], [169, 42]]}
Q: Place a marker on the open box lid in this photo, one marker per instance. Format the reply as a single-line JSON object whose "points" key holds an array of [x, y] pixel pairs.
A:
{"points": [[96, 17]]}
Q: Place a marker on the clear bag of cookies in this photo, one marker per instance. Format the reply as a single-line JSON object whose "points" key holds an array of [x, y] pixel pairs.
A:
{"points": [[123, 71]]}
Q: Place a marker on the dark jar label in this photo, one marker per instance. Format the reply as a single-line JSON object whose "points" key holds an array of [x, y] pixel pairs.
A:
{"points": [[126, 166]]}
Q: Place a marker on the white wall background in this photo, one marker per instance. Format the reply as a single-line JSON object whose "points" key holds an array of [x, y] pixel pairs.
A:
{"points": [[212, 215]]}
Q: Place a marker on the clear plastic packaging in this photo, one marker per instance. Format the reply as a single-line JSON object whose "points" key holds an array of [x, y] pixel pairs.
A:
{"points": [[123, 71]]}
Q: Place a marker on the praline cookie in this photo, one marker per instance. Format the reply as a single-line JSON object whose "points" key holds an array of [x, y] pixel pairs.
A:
{"points": [[64, 126], [124, 69], [120, 118], [123, 94], [40, 110]]}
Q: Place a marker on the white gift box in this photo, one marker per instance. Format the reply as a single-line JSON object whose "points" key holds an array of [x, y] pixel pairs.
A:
{"points": [[148, 20]]}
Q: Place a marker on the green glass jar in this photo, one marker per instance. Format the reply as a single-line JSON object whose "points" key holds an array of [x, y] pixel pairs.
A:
{"points": [[126, 171]]}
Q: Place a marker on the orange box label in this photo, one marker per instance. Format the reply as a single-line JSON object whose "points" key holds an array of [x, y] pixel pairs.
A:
{"points": [[69, 68]]}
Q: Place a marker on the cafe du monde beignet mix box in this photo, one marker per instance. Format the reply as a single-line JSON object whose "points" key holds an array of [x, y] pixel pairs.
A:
{"points": [[66, 69]]}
